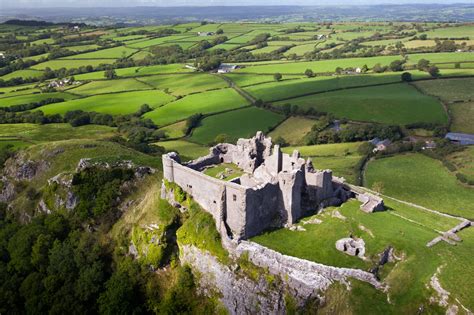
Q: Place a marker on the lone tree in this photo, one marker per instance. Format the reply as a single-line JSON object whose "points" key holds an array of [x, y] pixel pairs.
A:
{"points": [[423, 64], [110, 74], [433, 71], [277, 76], [396, 65], [378, 68], [406, 77], [220, 31], [309, 73]]}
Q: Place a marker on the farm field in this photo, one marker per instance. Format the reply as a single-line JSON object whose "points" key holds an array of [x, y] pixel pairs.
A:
{"points": [[397, 104], [73, 63], [32, 98], [114, 104], [176, 130], [421, 180], [114, 53], [136, 71], [244, 80], [109, 86], [204, 103], [22, 74], [464, 162], [187, 150], [241, 123], [293, 130]]}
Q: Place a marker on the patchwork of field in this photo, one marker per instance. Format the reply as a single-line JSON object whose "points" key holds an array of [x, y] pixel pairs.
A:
{"points": [[241, 123], [114, 104], [396, 104], [422, 180], [204, 103], [113, 53], [29, 73], [73, 63]]}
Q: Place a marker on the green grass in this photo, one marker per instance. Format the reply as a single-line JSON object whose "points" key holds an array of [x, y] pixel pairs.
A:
{"points": [[109, 86], [293, 130], [452, 32], [183, 84], [187, 150], [33, 133], [242, 123], [31, 98], [156, 41], [301, 49], [175, 130], [136, 71], [421, 180], [464, 161], [251, 79], [229, 170], [69, 64], [462, 115], [114, 104], [397, 104], [114, 53], [22, 74], [442, 57], [205, 103], [80, 48], [449, 90]]}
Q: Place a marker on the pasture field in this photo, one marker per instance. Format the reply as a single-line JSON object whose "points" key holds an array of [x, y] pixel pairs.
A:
{"points": [[17, 90], [452, 32], [462, 115], [109, 53], [397, 104], [71, 63], [187, 150], [136, 71], [285, 90], [34, 133], [114, 104], [81, 48], [241, 123], [341, 158], [464, 161], [421, 180], [265, 50], [243, 80], [225, 46], [301, 49], [445, 57], [157, 41], [27, 73], [175, 130], [184, 84], [37, 57], [204, 103], [31, 98], [142, 54], [293, 130], [449, 90], [109, 86]]}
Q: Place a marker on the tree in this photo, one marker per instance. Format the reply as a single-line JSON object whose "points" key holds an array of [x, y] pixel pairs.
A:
{"points": [[281, 141], [364, 69], [110, 74], [309, 73], [220, 31], [221, 138], [423, 37], [396, 65], [423, 64], [457, 65], [379, 69], [433, 71], [277, 76], [406, 77]]}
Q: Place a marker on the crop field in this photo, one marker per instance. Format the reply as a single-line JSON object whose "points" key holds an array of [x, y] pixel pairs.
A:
{"points": [[187, 150], [397, 104], [184, 84], [204, 103], [113, 53], [22, 74], [72, 63], [293, 130], [114, 104], [31, 98], [241, 123], [109, 86], [422, 180]]}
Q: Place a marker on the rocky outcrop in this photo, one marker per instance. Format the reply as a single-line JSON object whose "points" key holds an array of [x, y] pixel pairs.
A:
{"points": [[351, 246], [239, 294]]}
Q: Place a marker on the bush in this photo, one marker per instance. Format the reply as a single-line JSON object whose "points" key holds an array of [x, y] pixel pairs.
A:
{"points": [[406, 77], [277, 76]]}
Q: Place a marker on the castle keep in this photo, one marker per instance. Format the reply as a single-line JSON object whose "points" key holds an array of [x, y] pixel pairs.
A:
{"points": [[276, 189]]}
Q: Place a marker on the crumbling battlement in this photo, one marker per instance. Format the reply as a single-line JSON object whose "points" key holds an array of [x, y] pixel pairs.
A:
{"points": [[276, 189]]}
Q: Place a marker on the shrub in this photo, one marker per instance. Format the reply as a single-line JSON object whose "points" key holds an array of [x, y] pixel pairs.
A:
{"points": [[277, 76]]}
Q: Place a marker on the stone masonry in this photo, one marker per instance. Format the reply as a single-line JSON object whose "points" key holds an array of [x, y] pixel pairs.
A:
{"points": [[276, 189]]}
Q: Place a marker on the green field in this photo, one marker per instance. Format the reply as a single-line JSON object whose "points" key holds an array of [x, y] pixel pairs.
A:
{"points": [[22, 74], [73, 63], [421, 180], [113, 53], [114, 104], [31, 98], [242, 123], [293, 130], [204, 103], [176, 130], [462, 115], [109, 86], [464, 162], [243, 80], [186, 150], [397, 104], [184, 84]]}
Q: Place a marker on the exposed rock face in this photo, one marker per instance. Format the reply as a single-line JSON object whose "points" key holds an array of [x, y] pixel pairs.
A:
{"points": [[351, 246], [240, 295]]}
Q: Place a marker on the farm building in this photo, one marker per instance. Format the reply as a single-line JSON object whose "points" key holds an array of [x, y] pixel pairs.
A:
{"points": [[380, 145], [205, 33], [461, 138], [226, 68]]}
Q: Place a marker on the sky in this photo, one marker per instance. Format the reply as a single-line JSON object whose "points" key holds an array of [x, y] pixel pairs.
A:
{"points": [[131, 3]]}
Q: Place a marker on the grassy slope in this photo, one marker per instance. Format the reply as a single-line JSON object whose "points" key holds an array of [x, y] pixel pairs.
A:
{"points": [[108, 86], [117, 103], [242, 123], [293, 130], [205, 103], [422, 180], [392, 104], [31, 98], [187, 150]]}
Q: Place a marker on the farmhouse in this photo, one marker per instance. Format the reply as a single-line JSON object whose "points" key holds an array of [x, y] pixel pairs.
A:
{"points": [[460, 138], [226, 68], [205, 33], [274, 190], [380, 145]]}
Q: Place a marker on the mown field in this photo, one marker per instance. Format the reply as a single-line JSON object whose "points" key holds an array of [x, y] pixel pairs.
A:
{"points": [[241, 123], [396, 104], [421, 180]]}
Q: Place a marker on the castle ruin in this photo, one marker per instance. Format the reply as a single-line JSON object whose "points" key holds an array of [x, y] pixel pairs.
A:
{"points": [[276, 189]]}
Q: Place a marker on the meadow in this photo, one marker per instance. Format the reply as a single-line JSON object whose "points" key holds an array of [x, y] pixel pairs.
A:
{"points": [[32, 98], [204, 103], [114, 104], [187, 150], [422, 180], [293, 130], [71, 63], [109, 86], [396, 104], [112, 53], [241, 123], [28, 73]]}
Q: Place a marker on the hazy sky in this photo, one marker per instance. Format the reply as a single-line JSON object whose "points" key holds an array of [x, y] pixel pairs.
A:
{"points": [[128, 3]]}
